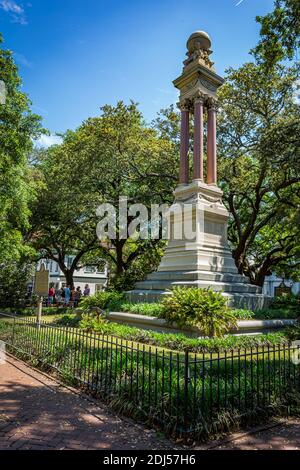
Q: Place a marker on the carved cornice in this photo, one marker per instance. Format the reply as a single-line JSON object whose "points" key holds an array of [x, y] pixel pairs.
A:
{"points": [[195, 197]]}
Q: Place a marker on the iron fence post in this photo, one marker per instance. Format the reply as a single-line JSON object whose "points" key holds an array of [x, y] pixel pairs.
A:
{"points": [[186, 389], [13, 335]]}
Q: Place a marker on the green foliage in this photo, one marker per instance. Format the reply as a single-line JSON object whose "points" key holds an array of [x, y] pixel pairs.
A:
{"points": [[291, 302], [293, 333], [178, 342], [14, 278], [280, 32], [241, 314], [18, 126], [134, 379], [138, 269], [70, 319], [100, 325], [259, 167], [151, 310], [203, 308], [102, 300], [275, 314], [127, 158], [285, 307]]}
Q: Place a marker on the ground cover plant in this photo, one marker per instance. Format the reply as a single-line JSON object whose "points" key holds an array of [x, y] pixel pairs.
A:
{"points": [[175, 341], [184, 393]]}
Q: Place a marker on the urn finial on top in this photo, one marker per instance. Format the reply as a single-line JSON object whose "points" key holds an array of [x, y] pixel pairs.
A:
{"points": [[198, 46]]}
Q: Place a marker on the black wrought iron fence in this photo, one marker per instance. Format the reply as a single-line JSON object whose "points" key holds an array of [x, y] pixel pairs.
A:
{"points": [[185, 393]]}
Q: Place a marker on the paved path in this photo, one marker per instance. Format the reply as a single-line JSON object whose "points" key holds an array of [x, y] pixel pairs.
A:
{"points": [[283, 436], [36, 412]]}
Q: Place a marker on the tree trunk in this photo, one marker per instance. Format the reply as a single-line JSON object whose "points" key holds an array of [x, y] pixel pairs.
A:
{"points": [[120, 268], [261, 274], [69, 277]]}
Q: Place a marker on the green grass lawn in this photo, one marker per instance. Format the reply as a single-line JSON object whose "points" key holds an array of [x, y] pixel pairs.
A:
{"points": [[170, 341]]}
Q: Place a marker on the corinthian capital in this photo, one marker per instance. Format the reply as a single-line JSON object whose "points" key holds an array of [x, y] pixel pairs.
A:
{"points": [[184, 105], [212, 103], [199, 97]]}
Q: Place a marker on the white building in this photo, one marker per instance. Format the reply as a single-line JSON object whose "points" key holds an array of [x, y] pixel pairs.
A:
{"points": [[96, 279]]}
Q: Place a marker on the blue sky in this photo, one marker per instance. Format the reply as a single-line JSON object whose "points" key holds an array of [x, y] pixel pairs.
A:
{"points": [[77, 55]]}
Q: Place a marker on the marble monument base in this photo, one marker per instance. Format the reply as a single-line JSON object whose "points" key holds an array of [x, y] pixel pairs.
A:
{"points": [[198, 254]]}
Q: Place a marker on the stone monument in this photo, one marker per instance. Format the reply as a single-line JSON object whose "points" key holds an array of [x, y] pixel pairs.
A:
{"points": [[207, 261]]}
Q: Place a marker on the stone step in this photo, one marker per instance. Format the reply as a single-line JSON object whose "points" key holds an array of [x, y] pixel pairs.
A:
{"points": [[217, 286], [236, 300], [208, 268], [196, 275]]}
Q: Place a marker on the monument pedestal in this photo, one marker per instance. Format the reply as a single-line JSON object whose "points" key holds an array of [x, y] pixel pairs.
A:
{"points": [[198, 254], [202, 259]]}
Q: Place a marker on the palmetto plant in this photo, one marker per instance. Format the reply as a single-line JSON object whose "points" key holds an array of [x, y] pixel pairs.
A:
{"points": [[203, 308]]}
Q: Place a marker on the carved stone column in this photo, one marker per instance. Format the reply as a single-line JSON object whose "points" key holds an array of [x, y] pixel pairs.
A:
{"points": [[198, 137], [184, 144], [212, 142]]}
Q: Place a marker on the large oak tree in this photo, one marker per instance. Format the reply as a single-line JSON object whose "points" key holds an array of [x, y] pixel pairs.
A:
{"points": [[107, 157], [18, 127]]}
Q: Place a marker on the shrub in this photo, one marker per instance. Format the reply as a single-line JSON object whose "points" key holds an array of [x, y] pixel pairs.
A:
{"points": [[241, 314], [203, 308], [291, 302], [91, 324], [103, 300], [272, 314], [152, 310], [68, 320], [293, 332], [174, 341]]}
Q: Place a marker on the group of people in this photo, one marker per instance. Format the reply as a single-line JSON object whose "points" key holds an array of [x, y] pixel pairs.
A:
{"points": [[67, 295]]}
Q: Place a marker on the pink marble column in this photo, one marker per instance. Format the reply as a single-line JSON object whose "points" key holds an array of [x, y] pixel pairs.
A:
{"points": [[198, 139], [212, 143], [184, 146]]}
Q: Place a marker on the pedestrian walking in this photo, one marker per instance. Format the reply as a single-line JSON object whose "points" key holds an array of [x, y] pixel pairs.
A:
{"points": [[51, 295], [77, 296], [87, 291], [67, 292]]}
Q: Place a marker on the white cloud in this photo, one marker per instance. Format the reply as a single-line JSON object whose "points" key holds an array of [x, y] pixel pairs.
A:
{"points": [[239, 2], [48, 140], [8, 5], [15, 11]]}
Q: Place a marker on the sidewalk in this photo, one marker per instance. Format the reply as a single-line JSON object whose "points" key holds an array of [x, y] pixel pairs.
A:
{"points": [[283, 436], [38, 413]]}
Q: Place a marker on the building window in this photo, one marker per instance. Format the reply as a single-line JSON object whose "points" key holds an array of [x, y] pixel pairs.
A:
{"points": [[89, 269], [98, 288]]}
